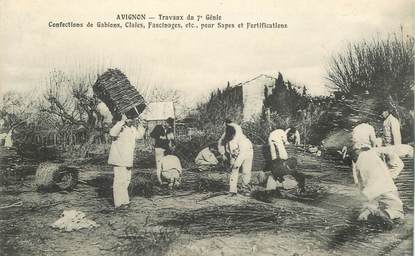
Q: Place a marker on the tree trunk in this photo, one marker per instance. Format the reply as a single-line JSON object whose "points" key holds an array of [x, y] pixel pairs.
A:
{"points": [[86, 147]]}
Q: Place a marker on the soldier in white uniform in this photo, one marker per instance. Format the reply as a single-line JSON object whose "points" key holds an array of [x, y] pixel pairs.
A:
{"points": [[121, 157], [391, 129], [277, 141], [373, 177], [240, 152]]}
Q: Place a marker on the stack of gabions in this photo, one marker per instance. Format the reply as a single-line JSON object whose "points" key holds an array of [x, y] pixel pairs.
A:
{"points": [[114, 89], [405, 182]]}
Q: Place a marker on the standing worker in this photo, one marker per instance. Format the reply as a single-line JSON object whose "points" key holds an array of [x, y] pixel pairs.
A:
{"points": [[240, 152], [277, 141], [121, 157], [391, 129], [164, 139]]}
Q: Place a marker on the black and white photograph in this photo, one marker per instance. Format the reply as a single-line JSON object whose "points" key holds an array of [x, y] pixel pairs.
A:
{"points": [[187, 128]]}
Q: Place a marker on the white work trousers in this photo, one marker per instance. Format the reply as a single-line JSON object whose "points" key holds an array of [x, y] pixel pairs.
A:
{"points": [[122, 178], [246, 168], [390, 203], [281, 152], [159, 153]]}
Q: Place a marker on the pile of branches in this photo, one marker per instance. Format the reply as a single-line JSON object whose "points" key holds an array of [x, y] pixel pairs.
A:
{"points": [[147, 241], [249, 217], [228, 219], [144, 186], [144, 183], [214, 182]]}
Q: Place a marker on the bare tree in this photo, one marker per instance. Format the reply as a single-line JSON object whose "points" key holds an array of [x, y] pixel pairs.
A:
{"points": [[16, 108], [71, 104]]}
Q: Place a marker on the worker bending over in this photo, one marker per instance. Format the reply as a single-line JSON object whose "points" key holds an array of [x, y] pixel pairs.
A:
{"points": [[277, 141], [170, 170], [240, 152]]}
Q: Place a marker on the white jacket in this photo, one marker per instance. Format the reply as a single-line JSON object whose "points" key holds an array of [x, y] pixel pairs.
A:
{"points": [[239, 148], [206, 157], [372, 175], [392, 131], [363, 136], [278, 138], [122, 148]]}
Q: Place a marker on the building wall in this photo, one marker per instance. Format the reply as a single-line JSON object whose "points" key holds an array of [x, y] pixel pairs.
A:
{"points": [[253, 94]]}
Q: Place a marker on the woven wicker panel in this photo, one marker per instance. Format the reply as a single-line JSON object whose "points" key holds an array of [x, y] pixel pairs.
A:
{"points": [[261, 156], [405, 182], [114, 89]]}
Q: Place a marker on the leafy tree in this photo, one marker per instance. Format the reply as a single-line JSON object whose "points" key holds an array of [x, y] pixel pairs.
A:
{"points": [[381, 67], [382, 70]]}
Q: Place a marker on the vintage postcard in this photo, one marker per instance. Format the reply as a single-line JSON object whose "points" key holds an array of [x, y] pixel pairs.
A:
{"points": [[216, 127]]}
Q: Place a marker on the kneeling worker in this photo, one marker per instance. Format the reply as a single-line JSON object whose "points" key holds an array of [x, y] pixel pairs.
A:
{"points": [[206, 159], [170, 169], [374, 180]]}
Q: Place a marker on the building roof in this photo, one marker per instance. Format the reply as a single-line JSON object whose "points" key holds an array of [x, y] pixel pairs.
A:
{"points": [[159, 111]]}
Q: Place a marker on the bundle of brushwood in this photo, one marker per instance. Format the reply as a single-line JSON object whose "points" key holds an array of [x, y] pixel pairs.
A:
{"points": [[215, 182], [142, 185], [145, 184], [261, 156], [191, 180], [56, 176], [405, 182], [114, 89], [228, 219], [245, 218]]}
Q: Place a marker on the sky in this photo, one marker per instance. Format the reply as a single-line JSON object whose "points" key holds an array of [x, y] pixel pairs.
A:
{"points": [[195, 61]]}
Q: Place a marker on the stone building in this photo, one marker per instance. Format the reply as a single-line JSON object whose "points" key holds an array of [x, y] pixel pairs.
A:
{"points": [[253, 95]]}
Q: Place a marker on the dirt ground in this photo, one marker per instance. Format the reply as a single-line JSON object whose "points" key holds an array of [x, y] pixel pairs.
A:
{"points": [[320, 227]]}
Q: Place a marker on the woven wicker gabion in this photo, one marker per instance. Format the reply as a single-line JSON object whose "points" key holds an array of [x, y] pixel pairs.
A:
{"points": [[55, 176], [114, 89], [405, 182]]}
